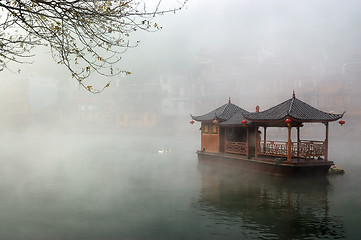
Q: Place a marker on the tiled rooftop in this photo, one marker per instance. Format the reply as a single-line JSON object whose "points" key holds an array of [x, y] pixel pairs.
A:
{"points": [[296, 109], [224, 112]]}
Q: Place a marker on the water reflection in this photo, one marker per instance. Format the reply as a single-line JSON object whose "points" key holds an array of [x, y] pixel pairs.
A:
{"points": [[83, 186], [75, 186], [268, 207]]}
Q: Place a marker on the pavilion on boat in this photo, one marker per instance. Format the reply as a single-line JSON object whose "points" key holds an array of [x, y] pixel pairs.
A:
{"points": [[230, 129]]}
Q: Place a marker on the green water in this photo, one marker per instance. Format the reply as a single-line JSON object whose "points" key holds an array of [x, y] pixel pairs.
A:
{"points": [[117, 185]]}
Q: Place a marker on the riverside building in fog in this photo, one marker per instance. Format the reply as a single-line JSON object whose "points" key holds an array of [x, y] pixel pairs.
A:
{"points": [[167, 96]]}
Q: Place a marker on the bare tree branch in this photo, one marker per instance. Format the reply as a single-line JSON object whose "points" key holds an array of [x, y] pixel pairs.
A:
{"points": [[85, 36]]}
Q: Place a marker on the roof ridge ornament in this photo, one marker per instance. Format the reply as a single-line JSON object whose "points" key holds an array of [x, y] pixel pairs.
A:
{"points": [[291, 105], [229, 99]]}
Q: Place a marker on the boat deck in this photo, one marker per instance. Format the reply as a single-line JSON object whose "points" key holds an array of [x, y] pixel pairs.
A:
{"points": [[269, 164], [272, 159]]}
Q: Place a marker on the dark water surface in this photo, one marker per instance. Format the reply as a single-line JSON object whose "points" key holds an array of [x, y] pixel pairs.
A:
{"points": [[148, 185]]}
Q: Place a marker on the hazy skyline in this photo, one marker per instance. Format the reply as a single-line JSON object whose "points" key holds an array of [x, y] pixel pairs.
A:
{"points": [[317, 30], [285, 32]]}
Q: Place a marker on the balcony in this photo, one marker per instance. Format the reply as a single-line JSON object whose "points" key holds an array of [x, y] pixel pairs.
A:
{"points": [[302, 149]]}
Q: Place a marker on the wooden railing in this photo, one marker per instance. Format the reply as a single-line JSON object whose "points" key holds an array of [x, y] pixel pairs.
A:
{"points": [[273, 148], [309, 149], [236, 147], [303, 149]]}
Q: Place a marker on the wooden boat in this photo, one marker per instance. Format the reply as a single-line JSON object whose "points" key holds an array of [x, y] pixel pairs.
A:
{"points": [[231, 135]]}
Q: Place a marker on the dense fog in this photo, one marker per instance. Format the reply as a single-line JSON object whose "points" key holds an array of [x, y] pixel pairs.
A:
{"points": [[250, 52], [255, 52], [77, 157]]}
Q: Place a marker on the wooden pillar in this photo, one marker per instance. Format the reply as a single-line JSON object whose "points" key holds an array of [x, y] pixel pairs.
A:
{"points": [[247, 150], [225, 139], [255, 142], [289, 155], [326, 142], [264, 139], [298, 134], [298, 141]]}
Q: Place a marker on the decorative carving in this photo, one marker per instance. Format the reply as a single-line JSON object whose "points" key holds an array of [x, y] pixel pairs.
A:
{"points": [[303, 149], [236, 147]]}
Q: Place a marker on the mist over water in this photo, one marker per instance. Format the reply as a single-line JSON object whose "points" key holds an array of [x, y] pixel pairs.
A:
{"points": [[149, 184], [123, 164], [58, 186]]}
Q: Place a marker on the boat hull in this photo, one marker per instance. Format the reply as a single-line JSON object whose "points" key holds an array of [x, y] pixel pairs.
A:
{"points": [[270, 166]]}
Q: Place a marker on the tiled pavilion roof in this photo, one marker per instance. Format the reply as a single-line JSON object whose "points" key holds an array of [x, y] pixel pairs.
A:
{"points": [[222, 113], [235, 120], [295, 109]]}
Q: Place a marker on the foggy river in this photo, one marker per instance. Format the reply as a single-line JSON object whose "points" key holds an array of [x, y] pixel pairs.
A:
{"points": [[62, 184], [95, 183]]}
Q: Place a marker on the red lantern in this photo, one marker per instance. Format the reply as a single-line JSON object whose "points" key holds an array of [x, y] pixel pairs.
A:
{"points": [[341, 122], [288, 122], [191, 121], [244, 122]]}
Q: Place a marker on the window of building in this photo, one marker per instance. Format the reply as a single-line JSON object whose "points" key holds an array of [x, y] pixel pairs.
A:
{"points": [[205, 128], [214, 129]]}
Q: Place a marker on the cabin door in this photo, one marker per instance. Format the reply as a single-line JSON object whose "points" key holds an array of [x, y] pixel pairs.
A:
{"points": [[222, 139]]}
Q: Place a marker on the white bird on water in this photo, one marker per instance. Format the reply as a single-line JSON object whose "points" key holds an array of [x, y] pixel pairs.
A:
{"points": [[163, 151]]}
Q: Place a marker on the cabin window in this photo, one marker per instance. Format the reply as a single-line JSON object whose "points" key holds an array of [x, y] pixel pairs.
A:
{"points": [[214, 129], [205, 128], [236, 134]]}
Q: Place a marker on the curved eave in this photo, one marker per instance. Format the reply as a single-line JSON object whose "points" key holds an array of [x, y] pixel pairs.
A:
{"points": [[198, 119], [201, 118], [277, 123], [249, 124], [300, 121], [333, 117]]}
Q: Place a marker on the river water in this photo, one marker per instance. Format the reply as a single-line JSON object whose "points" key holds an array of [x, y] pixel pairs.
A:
{"points": [[149, 185]]}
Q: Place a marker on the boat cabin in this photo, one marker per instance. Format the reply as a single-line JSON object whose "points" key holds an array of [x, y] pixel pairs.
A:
{"points": [[230, 129]]}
